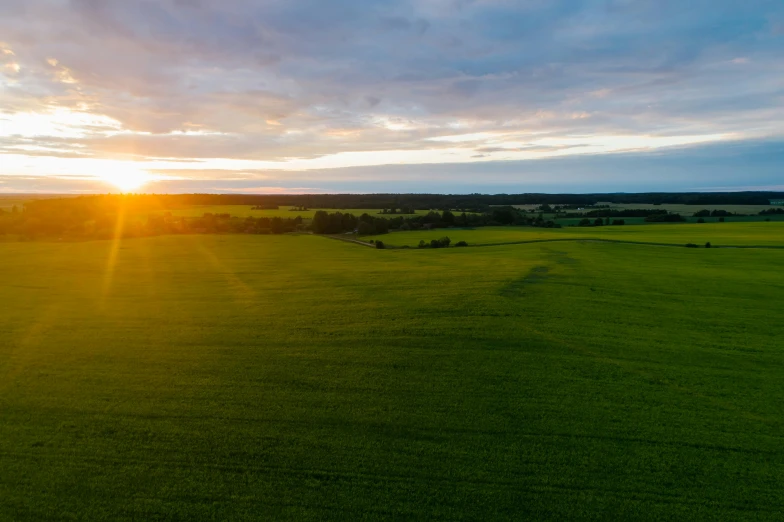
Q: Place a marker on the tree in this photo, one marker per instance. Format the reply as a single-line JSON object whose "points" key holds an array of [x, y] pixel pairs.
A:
{"points": [[504, 216], [276, 225], [700, 220], [431, 217], [665, 218], [422, 244], [320, 222], [585, 222], [707, 245], [444, 242], [721, 220], [366, 229], [461, 244], [381, 225], [434, 243], [599, 222], [380, 244]]}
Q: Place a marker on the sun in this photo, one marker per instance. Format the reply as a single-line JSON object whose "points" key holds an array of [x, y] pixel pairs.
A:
{"points": [[125, 176]]}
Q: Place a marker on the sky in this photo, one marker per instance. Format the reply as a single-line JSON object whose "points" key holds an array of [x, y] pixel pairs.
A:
{"points": [[453, 96]]}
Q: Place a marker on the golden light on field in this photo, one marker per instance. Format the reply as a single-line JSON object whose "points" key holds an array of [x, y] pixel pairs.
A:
{"points": [[125, 176]]}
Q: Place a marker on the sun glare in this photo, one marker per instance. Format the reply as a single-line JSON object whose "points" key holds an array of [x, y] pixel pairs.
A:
{"points": [[126, 177]]}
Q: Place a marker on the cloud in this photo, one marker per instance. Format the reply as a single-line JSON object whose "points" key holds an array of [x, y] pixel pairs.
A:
{"points": [[297, 80]]}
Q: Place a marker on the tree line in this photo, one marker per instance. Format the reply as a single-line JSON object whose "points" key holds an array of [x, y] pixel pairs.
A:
{"points": [[105, 217], [140, 215], [624, 213], [467, 202], [338, 222]]}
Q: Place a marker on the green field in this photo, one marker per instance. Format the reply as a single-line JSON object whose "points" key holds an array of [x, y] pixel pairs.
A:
{"points": [[688, 210], [641, 221], [750, 213], [684, 210], [297, 377], [8, 201], [718, 234]]}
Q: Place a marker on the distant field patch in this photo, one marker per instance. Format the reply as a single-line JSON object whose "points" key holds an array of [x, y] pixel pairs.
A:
{"points": [[8, 202], [718, 234], [685, 210]]}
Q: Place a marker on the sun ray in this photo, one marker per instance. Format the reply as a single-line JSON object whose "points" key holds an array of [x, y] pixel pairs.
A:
{"points": [[114, 249]]}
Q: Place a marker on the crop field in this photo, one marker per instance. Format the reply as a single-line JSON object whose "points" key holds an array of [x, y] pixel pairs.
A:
{"points": [[298, 377], [749, 213], [684, 210], [8, 201], [641, 221], [718, 234], [688, 210]]}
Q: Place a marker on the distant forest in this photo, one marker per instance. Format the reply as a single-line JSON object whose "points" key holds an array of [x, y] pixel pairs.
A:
{"points": [[445, 201], [453, 201]]}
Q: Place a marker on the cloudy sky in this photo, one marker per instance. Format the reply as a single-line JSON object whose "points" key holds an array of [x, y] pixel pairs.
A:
{"points": [[264, 96]]}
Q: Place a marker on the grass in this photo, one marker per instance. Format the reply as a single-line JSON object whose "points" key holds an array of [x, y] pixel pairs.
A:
{"points": [[689, 210], [718, 234], [8, 201], [295, 377], [684, 210], [750, 212], [641, 221]]}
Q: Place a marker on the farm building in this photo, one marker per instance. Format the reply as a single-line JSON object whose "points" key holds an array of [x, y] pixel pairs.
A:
{"points": [[777, 201]]}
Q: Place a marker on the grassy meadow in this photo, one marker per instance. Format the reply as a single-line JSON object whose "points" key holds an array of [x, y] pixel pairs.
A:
{"points": [[9, 201], [677, 208], [297, 377], [565, 222], [688, 210], [6, 203], [718, 234], [749, 213]]}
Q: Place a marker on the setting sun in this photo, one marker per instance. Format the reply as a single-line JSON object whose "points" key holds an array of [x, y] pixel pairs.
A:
{"points": [[126, 177]]}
